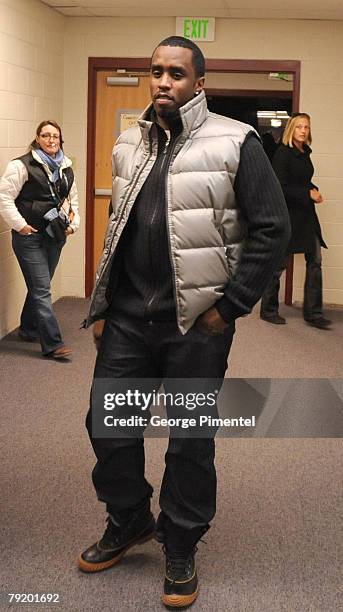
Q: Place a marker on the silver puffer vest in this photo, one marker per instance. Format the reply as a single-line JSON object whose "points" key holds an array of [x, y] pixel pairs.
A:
{"points": [[206, 230]]}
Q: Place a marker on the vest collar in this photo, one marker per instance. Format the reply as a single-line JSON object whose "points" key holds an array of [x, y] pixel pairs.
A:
{"points": [[192, 114]]}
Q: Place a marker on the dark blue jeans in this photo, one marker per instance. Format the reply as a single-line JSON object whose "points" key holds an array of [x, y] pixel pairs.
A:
{"points": [[313, 288], [156, 350], [38, 256]]}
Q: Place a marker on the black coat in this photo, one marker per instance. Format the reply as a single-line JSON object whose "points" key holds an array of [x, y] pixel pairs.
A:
{"points": [[294, 171]]}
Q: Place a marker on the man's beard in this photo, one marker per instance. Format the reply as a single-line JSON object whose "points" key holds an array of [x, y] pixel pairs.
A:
{"points": [[169, 115]]}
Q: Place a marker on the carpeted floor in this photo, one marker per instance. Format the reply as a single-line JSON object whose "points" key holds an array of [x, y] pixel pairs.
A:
{"points": [[276, 542]]}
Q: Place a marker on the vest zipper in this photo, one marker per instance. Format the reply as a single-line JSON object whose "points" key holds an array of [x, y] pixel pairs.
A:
{"points": [[165, 163], [172, 262]]}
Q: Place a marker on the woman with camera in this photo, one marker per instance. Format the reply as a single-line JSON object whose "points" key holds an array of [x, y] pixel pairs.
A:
{"points": [[38, 200]]}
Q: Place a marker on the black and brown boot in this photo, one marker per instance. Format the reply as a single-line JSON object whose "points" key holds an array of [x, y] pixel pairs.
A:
{"points": [[179, 546], [181, 581], [117, 540]]}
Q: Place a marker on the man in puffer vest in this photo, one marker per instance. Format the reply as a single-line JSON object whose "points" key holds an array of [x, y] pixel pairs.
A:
{"points": [[199, 224]]}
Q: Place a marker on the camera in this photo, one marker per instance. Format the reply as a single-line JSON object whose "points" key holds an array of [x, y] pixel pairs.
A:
{"points": [[58, 223]]}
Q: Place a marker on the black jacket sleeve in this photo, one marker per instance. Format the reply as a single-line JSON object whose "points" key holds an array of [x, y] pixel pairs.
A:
{"points": [[261, 201]]}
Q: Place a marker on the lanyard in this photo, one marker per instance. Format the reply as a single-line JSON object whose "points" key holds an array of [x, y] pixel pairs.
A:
{"points": [[54, 191]]}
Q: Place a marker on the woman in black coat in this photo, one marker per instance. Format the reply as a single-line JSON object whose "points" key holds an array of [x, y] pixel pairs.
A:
{"points": [[294, 169]]}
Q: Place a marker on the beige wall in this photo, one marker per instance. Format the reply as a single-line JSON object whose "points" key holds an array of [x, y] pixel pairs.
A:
{"points": [[31, 88], [241, 80], [318, 44]]}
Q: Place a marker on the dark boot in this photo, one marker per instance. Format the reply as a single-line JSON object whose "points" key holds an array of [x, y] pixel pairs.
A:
{"points": [[181, 580], [274, 319], [319, 323], [117, 540]]}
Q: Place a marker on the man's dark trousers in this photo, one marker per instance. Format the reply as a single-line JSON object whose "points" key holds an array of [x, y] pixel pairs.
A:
{"points": [[132, 348]]}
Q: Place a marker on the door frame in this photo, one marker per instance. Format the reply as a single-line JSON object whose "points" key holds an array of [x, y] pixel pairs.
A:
{"points": [[96, 64]]}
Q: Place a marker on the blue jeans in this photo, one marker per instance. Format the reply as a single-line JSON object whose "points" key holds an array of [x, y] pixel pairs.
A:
{"points": [[133, 348], [313, 289], [38, 256]]}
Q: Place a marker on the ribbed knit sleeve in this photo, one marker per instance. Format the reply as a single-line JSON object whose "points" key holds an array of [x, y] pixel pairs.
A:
{"points": [[261, 201]]}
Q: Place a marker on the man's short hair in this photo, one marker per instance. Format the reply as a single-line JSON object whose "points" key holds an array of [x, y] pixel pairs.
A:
{"points": [[197, 55]]}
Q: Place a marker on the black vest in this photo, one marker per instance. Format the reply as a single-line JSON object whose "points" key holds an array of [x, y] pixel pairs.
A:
{"points": [[38, 195]]}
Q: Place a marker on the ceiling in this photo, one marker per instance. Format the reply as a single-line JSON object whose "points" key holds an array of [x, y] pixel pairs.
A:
{"points": [[234, 9]]}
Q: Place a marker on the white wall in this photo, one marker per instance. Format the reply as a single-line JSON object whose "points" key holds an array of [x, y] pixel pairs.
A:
{"points": [[31, 88]]}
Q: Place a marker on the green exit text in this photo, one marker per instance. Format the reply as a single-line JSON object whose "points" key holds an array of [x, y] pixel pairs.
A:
{"points": [[195, 28]]}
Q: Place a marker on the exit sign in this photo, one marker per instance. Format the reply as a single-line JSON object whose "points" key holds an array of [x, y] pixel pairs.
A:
{"points": [[196, 28]]}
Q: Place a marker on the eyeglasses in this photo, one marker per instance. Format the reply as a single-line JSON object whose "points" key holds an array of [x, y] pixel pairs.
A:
{"points": [[50, 136]]}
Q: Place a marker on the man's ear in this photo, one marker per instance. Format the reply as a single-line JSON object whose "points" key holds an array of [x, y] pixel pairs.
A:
{"points": [[199, 85]]}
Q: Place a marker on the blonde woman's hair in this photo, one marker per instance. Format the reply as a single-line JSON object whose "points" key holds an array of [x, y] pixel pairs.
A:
{"points": [[287, 138]]}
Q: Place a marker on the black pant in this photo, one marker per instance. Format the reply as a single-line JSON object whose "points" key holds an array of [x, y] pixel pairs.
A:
{"points": [[156, 350], [313, 289]]}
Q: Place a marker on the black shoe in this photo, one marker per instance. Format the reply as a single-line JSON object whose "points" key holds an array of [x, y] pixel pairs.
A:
{"points": [[25, 337], [275, 319], [181, 581], [116, 541], [320, 323]]}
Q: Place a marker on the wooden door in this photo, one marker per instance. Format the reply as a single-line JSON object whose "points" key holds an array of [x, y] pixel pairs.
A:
{"points": [[117, 107]]}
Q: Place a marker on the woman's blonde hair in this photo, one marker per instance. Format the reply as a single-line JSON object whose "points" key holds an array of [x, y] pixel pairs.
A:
{"points": [[287, 138]]}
